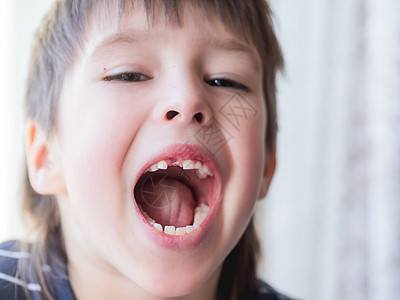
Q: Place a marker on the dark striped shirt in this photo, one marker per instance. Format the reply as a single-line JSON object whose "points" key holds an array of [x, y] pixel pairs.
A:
{"points": [[12, 286]]}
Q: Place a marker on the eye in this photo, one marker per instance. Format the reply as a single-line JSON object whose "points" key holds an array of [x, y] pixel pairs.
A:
{"points": [[127, 76], [221, 82]]}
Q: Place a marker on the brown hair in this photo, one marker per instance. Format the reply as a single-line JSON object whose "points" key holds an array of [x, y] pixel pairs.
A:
{"points": [[58, 42]]}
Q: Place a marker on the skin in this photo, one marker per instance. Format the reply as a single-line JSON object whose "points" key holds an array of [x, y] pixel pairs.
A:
{"points": [[108, 127]]}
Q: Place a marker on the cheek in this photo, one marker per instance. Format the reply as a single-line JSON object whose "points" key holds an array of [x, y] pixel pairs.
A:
{"points": [[248, 154], [92, 157], [248, 172], [94, 140], [97, 128], [248, 147]]}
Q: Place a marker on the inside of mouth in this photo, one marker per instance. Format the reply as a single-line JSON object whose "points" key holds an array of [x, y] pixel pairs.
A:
{"points": [[173, 197]]}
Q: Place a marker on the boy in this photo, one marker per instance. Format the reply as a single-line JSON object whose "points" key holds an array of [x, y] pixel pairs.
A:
{"points": [[150, 136]]}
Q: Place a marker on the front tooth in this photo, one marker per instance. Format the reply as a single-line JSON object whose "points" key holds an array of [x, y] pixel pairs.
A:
{"points": [[162, 165], [180, 231], [169, 230], [188, 164], [154, 167]]}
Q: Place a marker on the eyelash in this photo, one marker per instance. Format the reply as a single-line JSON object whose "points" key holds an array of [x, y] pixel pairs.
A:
{"points": [[222, 82], [128, 77], [136, 77]]}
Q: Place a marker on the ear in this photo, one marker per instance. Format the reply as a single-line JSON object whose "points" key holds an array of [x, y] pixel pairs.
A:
{"points": [[269, 170], [44, 167]]}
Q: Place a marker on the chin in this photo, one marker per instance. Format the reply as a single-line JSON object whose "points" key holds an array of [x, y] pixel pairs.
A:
{"points": [[166, 286]]}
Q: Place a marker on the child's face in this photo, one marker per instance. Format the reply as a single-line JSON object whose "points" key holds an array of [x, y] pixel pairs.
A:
{"points": [[144, 94]]}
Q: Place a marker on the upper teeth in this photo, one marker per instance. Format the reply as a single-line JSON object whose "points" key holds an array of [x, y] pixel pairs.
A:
{"points": [[202, 170]]}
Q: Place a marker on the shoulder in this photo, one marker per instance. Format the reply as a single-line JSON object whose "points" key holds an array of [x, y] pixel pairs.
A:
{"points": [[264, 291], [11, 286]]}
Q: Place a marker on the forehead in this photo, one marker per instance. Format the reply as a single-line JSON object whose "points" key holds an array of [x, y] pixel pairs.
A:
{"points": [[134, 24], [173, 13]]}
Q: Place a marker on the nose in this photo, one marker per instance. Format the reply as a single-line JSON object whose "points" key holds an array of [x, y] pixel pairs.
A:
{"points": [[197, 117], [187, 104]]}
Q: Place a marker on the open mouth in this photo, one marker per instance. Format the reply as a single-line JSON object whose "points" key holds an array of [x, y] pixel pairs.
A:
{"points": [[175, 195]]}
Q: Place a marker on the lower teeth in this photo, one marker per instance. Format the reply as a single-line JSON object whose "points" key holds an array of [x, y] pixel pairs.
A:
{"points": [[200, 213]]}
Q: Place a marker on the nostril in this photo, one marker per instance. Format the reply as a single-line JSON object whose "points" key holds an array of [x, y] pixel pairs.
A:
{"points": [[198, 117], [171, 114]]}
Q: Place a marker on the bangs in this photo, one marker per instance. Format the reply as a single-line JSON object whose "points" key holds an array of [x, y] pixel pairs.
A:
{"points": [[240, 17]]}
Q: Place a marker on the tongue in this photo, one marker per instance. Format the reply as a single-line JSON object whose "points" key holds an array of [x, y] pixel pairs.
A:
{"points": [[168, 201]]}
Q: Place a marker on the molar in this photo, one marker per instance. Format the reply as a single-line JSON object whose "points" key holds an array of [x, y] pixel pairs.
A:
{"points": [[201, 174], [206, 170], [200, 214]]}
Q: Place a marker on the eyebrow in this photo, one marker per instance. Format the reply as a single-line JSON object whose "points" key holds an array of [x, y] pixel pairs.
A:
{"points": [[235, 46], [124, 37], [229, 45], [137, 37]]}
